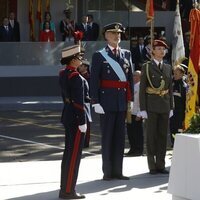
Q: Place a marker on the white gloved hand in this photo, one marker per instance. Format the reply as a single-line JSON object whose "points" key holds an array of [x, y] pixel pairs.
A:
{"points": [[143, 114], [171, 113], [82, 128], [98, 108], [131, 105]]}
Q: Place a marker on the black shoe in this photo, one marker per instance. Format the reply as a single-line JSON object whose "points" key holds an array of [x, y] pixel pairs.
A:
{"points": [[86, 146], [129, 152], [136, 154], [121, 177], [63, 195], [162, 171], [107, 178], [153, 171], [133, 154]]}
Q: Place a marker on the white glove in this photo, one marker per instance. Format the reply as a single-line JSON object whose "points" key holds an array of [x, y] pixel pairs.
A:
{"points": [[83, 128], [143, 114], [171, 113], [131, 105], [98, 108]]}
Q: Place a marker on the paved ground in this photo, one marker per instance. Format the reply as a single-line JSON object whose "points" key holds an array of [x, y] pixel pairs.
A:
{"points": [[35, 135], [31, 146]]}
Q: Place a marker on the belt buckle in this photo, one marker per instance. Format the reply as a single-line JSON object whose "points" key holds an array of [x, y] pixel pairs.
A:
{"points": [[161, 93]]}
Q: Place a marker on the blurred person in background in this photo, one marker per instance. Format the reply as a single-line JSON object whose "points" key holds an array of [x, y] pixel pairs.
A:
{"points": [[93, 28], [46, 35], [6, 32], [67, 27], [84, 71], [47, 17], [135, 129], [14, 24], [179, 94]]}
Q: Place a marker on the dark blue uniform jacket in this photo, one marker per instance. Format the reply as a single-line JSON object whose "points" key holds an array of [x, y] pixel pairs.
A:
{"points": [[75, 92], [111, 99]]}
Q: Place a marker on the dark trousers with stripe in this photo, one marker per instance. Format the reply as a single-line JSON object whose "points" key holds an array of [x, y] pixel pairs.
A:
{"points": [[71, 158], [135, 135], [113, 140]]}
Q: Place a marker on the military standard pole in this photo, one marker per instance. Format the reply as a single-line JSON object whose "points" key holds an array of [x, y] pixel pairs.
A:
{"points": [[152, 36]]}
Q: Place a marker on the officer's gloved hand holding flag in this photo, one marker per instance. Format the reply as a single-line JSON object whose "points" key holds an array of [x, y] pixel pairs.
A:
{"points": [[98, 108]]}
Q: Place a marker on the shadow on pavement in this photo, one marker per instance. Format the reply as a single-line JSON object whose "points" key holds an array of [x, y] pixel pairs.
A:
{"points": [[141, 181]]}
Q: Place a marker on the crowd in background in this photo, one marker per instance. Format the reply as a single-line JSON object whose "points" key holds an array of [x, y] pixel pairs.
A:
{"points": [[10, 29], [88, 26]]}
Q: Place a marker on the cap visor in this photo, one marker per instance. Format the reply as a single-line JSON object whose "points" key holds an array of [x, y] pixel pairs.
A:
{"points": [[114, 30]]}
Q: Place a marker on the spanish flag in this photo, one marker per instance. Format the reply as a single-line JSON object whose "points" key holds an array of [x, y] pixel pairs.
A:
{"points": [[149, 11], [192, 98], [47, 5], [39, 10], [31, 21]]}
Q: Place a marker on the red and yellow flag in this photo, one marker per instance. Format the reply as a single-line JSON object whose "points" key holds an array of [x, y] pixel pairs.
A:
{"points": [[31, 21], [192, 98], [149, 11], [39, 10], [47, 5]]}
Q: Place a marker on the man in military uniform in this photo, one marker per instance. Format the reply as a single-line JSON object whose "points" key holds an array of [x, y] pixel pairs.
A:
{"points": [[110, 86], [156, 104]]}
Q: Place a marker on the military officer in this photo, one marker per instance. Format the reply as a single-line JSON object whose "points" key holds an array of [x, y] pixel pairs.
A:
{"points": [[156, 104], [110, 86], [84, 71], [74, 91]]}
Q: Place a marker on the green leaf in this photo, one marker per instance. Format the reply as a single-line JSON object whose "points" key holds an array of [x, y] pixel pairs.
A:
{"points": [[194, 127]]}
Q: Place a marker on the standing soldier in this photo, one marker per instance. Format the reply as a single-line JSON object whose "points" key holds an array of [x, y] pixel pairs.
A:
{"points": [[179, 93], [135, 129], [85, 72], [111, 82], [74, 120], [156, 104]]}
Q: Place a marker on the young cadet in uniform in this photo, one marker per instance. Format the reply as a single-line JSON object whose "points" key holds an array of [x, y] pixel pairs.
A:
{"points": [[156, 104], [74, 90], [135, 129], [110, 86], [179, 94], [84, 71]]}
